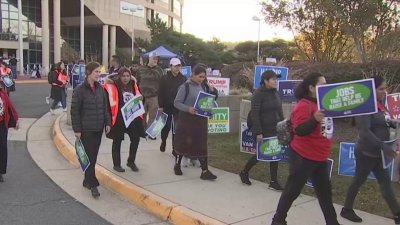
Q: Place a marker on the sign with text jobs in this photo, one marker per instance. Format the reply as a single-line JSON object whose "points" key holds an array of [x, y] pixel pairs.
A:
{"points": [[347, 98], [219, 122], [282, 72], [393, 105], [286, 90], [221, 84], [248, 143], [347, 161], [269, 150], [186, 71]]}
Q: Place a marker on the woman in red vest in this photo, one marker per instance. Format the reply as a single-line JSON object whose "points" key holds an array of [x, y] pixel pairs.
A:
{"points": [[120, 89], [8, 118], [58, 93], [5, 72]]}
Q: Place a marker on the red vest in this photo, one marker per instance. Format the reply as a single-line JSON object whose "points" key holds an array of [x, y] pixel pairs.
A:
{"points": [[61, 77], [113, 98], [4, 71]]}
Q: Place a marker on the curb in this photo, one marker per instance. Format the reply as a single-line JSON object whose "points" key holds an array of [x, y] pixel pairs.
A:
{"points": [[157, 205], [31, 81]]}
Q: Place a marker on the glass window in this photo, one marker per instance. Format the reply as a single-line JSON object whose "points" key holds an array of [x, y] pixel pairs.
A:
{"points": [[5, 25], [38, 31], [4, 14], [13, 8], [14, 15], [163, 17], [177, 7], [4, 6], [25, 28], [14, 26]]}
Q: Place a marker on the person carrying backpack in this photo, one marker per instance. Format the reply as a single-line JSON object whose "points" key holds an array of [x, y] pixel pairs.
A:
{"points": [[266, 111], [309, 151], [191, 129]]}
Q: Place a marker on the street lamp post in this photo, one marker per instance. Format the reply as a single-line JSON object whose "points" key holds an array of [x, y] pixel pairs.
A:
{"points": [[82, 28], [133, 10], [256, 18]]}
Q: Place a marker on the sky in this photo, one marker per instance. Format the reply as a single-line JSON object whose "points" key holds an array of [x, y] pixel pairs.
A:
{"points": [[228, 20]]}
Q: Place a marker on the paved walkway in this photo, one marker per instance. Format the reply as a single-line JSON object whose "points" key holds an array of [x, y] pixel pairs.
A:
{"points": [[224, 201]]}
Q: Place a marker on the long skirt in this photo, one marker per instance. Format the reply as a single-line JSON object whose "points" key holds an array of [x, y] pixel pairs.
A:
{"points": [[191, 135]]}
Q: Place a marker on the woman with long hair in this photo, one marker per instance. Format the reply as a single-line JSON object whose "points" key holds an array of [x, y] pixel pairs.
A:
{"points": [[90, 116], [373, 130], [58, 87], [308, 152], [120, 89]]}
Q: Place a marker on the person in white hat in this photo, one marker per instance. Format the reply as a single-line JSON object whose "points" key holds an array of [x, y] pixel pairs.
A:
{"points": [[167, 91], [148, 78]]}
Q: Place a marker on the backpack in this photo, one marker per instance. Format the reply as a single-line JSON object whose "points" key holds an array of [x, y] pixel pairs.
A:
{"points": [[50, 77], [284, 132], [187, 89]]}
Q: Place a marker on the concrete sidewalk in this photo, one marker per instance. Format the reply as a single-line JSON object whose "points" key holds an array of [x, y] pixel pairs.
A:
{"points": [[187, 199]]}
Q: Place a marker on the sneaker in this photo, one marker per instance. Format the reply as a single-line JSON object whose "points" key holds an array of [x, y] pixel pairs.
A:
{"points": [[207, 175], [186, 162], [86, 185], [1, 178], [65, 110], [59, 104], [52, 111], [177, 170], [152, 138], [278, 223], [244, 176], [195, 163], [95, 192], [162, 146], [397, 218], [119, 169], [133, 167], [352, 216], [274, 185], [48, 100]]}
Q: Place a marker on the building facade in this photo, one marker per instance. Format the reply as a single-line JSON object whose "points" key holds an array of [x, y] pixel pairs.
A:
{"points": [[51, 28]]}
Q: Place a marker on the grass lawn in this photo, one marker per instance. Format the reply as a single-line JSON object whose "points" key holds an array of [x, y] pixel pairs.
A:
{"points": [[225, 154]]}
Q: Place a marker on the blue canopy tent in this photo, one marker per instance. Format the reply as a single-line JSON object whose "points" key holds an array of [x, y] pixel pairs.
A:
{"points": [[162, 52]]}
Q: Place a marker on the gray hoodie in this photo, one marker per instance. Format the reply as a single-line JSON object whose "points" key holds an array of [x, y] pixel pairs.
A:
{"points": [[194, 90]]}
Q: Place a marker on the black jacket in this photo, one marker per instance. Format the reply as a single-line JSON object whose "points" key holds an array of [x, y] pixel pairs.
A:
{"points": [[373, 131], [168, 88], [89, 110], [266, 111]]}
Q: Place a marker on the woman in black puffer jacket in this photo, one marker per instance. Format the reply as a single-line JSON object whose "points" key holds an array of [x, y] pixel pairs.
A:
{"points": [[266, 112]]}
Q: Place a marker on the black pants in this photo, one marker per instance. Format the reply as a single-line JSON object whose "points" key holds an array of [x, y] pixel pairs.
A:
{"points": [[165, 131], [116, 149], [91, 141], [364, 166], [300, 169], [3, 148], [273, 167]]}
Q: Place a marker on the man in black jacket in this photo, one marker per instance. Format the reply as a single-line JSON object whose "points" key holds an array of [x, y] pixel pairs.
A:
{"points": [[168, 88]]}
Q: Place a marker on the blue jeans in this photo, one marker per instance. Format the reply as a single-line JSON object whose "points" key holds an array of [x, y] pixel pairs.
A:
{"points": [[14, 71]]}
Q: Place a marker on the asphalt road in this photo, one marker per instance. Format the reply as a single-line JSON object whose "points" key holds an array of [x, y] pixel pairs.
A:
{"points": [[28, 196]]}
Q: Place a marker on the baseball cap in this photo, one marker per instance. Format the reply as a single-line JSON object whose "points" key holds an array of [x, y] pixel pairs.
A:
{"points": [[175, 61], [153, 54]]}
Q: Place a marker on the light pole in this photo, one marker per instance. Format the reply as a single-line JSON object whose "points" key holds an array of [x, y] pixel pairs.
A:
{"points": [[20, 40], [256, 18], [82, 24], [133, 10]]}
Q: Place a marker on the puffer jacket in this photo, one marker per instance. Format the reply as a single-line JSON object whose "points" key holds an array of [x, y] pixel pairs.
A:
{"points": [[89, 109]]}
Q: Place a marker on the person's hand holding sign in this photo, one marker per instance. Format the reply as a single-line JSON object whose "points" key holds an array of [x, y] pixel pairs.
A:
{"points": [[319, 116], [192, 110], [260, 138]]}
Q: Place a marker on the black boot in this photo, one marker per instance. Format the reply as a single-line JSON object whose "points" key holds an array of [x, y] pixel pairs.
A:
{"points": [[207, 175], [244, 176], [397, 218], [95, 192], [162, 146], [177, 170], [351, 215], [119, 169], [133, 167], [274, 185]]}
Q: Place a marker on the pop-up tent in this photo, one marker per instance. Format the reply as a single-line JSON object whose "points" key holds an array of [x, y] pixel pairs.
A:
{"points": [[162, 52]]}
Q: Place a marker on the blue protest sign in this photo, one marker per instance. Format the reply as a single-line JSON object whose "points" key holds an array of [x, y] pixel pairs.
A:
{"points": [[248, 143], [186, 71], [347, 161], [78, 74], [282, 72], [81, 154], [330, 162], [204, 104], [158, 124], [348, 98], [286, 90], [269, 150]]}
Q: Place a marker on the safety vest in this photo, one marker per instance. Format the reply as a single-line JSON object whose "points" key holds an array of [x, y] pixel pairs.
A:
{"points": [[61, 77], [4, 71], [114, 100]]}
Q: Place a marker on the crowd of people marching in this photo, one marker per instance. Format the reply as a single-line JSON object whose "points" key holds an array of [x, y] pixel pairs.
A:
{"points": [[96, 108]]}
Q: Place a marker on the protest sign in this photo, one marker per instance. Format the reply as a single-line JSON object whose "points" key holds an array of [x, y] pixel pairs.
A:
{"points": [[204, 104], [219, 122], [330, 162], [132, 109], [286, 90], [81, 154], [269, 150], [347, 99], [78, 74], [156, 127], [248, 143], [393, 105], [221, 84], [282, 73], [186, 71], [347, 161]]}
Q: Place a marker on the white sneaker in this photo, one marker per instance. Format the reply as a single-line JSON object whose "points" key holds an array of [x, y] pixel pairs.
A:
{"points": [[48, 100], [186, 162], [59, 104], [65, 110], [52, 111]]}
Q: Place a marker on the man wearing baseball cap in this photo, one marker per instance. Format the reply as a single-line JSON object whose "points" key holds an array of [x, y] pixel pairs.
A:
{"points": [[168, 89], [148, 78]]}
